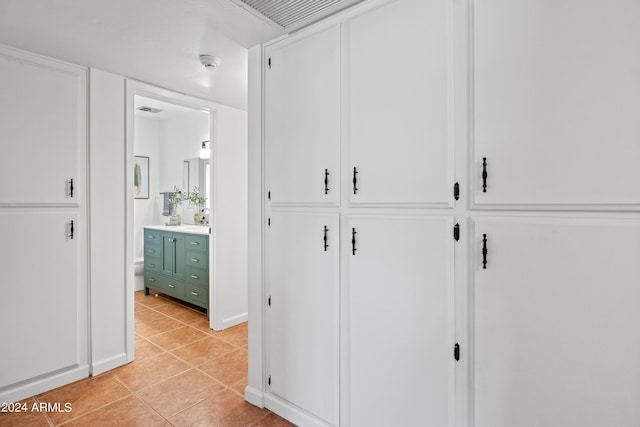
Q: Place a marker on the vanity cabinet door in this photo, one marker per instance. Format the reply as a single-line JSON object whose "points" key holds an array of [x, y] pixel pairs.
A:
{"points": [[43, 132]]}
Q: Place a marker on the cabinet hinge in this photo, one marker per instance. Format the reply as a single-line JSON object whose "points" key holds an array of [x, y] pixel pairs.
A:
{"points": [[269, 62], [456, 232], [456, 191], [269, 380], [456, 352]]}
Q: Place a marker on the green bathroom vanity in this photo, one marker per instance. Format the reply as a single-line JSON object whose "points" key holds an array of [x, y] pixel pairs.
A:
{"points": [[176, 262]]}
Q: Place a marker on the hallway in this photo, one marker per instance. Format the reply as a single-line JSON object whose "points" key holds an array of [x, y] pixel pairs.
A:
{"points": [[184, 374]]}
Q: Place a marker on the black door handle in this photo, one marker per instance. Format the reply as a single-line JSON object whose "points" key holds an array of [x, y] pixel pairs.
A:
{"points": [[71, 230], [355, 180], [353, 241], [326, 181], [484, 174], [71, 188], [325, 238], [484, 251]]}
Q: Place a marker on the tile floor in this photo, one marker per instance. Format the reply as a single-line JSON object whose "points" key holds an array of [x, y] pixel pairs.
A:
{"points": [[184, 374]]}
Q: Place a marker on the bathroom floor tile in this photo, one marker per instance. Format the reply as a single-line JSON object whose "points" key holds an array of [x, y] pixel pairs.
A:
{"points": [[130, 411], [84, 396], [180, 392], [182, 313], [272, 420], [25, 417], [159, 326], [236, 335], [203, 350], [146, 314], [229, 368], [153, 301], [224, 409], [177, 337], [145, 349], [143, 373]]}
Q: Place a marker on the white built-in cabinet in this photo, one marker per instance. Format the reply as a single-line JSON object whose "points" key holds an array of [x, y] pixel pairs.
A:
{"points": [[398, 97], [556, 101], [43, 293], [512, 305], [400, 322], [555, 322], [302, 123]]}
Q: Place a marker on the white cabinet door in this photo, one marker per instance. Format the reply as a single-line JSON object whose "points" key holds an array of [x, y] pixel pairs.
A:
{"points": [[43, 298], [556, 322], [400, 321], [399, 89], [556, 102], [303, 277], [43, 110], [302, 119]]}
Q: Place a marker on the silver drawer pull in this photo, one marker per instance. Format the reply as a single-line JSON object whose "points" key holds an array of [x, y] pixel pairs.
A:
{"points": [[193, 276], [195, 243], [195, 260], [151, 237], [151, 279], [151, 251], [195, 294], [171, 286], [152, 265]]}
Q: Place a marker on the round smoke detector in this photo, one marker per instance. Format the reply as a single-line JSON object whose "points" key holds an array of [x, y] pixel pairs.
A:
{"points": [[210, 62]]}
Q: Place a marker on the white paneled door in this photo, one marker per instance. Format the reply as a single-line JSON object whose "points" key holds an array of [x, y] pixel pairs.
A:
{"points": [[556, 322], [399, 90], [556, 101], [302, 119], [400, 322], [303, 311]]}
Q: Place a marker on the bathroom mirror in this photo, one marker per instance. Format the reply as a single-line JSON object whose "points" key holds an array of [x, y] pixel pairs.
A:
{"points": [[195, 173]]}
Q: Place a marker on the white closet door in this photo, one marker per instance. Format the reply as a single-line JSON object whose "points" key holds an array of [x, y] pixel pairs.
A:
{"points": [[556, 322], [399, 104], [400, 321], [43, 110], [302, 121], [43, 297], [304, 311], [556, 102]]}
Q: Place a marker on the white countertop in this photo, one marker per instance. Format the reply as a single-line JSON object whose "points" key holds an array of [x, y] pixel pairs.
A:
{"points": [[185, 228]]}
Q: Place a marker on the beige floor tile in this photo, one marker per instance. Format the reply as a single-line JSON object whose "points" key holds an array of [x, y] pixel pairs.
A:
{"points": [[143, 373], [203, 351], [236, 335], [22, 414], [177, 337], [159, 326], [130, 411], [227, 369]]}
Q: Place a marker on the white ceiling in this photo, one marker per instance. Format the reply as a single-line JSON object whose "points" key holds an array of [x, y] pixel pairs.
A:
{"points": [[155, 41], [168, 111]]}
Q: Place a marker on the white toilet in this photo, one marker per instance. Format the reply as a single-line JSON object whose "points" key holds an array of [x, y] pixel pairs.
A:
{"points": [[138, 273]]}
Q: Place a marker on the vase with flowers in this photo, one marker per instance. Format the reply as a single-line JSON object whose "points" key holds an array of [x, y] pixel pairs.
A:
{"points": [[176, 198], [198, 200]]}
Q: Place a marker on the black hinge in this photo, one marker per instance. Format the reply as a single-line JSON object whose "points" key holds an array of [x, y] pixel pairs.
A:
{"points": [[269, 222], [269, 301], [456, 352], [456, 232], [269, 62], [269, 380], [456, 191], [269, 195]]}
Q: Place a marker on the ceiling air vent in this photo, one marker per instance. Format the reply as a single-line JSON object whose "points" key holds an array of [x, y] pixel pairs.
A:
{"points": [[291, 15], [149, 109]]}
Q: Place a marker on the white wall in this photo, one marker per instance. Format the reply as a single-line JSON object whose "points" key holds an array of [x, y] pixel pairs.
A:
{"points": [[147, 211], [107, 170]]}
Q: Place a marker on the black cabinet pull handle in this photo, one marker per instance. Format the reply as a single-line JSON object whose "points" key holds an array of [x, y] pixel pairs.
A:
{"points": [[353, 241], [484, 251], [71, 230], [484, 174], [325, 238], [355, 180], [326, 181], [71, 188]]}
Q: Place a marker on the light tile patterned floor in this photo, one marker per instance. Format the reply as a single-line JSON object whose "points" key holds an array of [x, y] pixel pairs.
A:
{"points": [[184, 375]]}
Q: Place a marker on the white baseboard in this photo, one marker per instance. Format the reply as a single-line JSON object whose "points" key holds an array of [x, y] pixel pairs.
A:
{"points": [[109, 364], [43, 384], [232, 321], [254, 396], [291, 413]]}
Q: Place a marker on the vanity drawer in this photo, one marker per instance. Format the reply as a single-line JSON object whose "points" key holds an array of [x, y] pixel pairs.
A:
{"points": [[198, 296], [151, 236], [152, 250], [154, 281], [194, 242], [172, 288], [152, 265], [197, 259], [197, 277]]}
